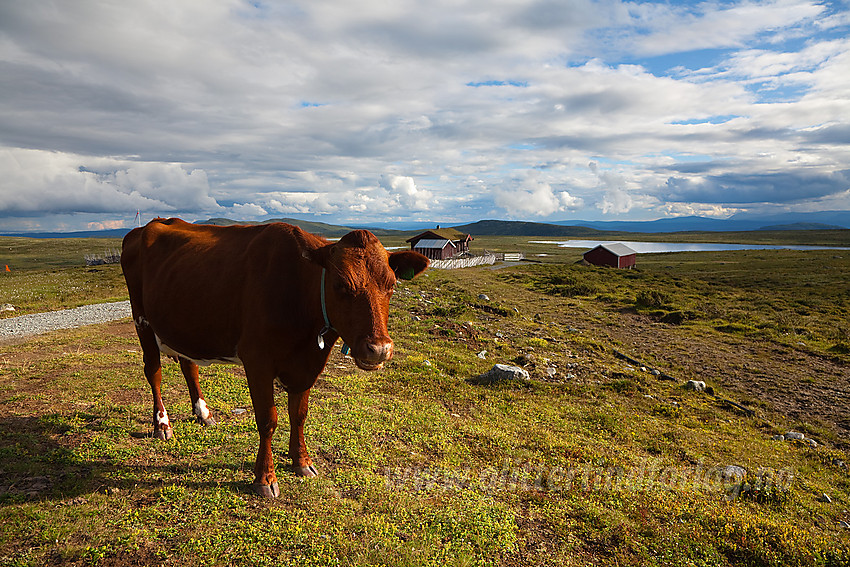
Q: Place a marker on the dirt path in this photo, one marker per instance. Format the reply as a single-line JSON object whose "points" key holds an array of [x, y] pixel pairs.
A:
{"points": [[13, 328]]}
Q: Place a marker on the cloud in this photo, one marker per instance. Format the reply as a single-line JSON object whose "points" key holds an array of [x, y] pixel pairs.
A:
{"points": [[107, 225], [535, 197], [376, 111], [735, 188], [698, 209], [616, 201], [37, 181], [710, 25], [291, 202], [247, 211], [617, 198], [403, 191]]}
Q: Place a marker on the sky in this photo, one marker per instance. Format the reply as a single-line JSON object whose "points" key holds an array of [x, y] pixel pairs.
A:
{"points": [[380, 112]]}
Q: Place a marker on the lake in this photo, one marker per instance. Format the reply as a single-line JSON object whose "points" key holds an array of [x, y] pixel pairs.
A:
{"points": [[656, 247]]}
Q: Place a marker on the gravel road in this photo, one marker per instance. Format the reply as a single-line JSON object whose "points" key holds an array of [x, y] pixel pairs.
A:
{"points": [[37, 323]]}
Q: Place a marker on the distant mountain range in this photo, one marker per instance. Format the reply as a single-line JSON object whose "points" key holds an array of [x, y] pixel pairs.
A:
{"points": [[826, 220], [111, 233], [823, 220], [521, 228]]}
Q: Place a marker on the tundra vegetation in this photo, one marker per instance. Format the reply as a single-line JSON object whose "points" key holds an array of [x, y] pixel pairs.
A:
{"points": [[594, 460]]}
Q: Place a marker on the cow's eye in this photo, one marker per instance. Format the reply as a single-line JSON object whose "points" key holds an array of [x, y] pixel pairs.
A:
{"points": [[343, 289]]}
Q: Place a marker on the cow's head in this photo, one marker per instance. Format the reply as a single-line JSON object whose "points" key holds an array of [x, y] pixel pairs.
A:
{"points": [[359, 279]]}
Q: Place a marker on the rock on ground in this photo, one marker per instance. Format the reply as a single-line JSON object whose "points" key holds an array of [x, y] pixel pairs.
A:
{"points": [[501, 373]]}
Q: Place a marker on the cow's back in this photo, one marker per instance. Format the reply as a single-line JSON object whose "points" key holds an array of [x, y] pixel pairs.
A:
{"points": [[191, 283]]}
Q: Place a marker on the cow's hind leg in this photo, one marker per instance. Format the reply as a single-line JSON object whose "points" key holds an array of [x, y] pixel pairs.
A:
{"points": [[153, 373], [199, 406]]}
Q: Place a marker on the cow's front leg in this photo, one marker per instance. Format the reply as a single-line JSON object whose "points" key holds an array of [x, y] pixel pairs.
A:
{"points": [[302, 464], [265, 412]]}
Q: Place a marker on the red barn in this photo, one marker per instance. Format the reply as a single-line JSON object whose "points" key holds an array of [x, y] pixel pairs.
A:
{"points": [[614, 255]]}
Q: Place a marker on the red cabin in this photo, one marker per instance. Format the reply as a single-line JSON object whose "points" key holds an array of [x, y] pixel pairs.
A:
{"points": [[613, 255]]}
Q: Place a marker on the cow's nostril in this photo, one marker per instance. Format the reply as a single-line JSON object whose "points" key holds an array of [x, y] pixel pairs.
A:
{"points": [[379, 351]]}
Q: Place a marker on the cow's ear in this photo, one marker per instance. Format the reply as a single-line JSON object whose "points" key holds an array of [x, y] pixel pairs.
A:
{"points": [[320, 255], [408, 264]]}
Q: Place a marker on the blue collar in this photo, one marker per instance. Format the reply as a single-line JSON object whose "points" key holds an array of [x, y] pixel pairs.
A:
{"points": [[328, 327]]}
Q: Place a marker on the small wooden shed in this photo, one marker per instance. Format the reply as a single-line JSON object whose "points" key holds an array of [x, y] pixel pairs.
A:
{"points": [[615, 255], [436, 248], [440, 243]]}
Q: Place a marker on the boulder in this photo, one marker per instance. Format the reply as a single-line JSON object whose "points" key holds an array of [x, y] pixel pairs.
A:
{"points": [[501, 373], [695, 385], [673, 318], [733, 473]]}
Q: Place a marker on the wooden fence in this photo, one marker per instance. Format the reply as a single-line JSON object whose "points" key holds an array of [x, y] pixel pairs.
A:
{"points": [[112, 256], [511, 256], [455, 263]]}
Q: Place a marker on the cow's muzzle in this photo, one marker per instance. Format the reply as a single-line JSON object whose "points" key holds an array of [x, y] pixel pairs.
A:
{"points": [[371, 355]]}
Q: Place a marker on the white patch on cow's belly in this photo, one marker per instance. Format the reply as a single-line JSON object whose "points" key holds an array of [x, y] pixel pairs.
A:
{"points": [[168, 351], [201, 409]]}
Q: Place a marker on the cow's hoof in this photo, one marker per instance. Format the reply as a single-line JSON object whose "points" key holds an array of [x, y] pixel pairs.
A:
{"points": [[266, 490], [163, 434], [205, 421], [306, 472]]}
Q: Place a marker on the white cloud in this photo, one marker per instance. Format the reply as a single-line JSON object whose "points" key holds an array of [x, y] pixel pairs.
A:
{"points": [[534, 197], [247, 211], [710, 25], [107, 225], [616, 201], [403, 191], [297, 202], [380, 111], [37, 181], [698, 209]]}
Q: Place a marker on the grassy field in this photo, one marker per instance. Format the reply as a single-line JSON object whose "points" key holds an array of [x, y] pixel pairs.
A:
{"points": [[593, 461], [48, 274]]}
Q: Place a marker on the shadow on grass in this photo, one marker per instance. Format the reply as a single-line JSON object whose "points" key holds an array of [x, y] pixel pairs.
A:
{"points": [[36, 466]]}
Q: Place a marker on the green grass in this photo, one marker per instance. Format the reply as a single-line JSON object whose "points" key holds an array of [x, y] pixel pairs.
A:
{"points": [[48, 274], [34, 254], [603, 464], [787, 296]]}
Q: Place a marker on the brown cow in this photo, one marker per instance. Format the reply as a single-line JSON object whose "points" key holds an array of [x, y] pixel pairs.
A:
{"points": [[270, 297]]}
